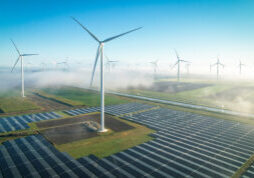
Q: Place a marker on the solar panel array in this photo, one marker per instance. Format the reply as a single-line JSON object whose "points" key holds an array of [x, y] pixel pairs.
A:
{"points": [[185, 145], [33, 156], [20, 122], [195, 145], [111, 109]]}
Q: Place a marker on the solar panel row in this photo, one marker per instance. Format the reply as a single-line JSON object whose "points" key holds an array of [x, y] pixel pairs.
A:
{"points": [[33, 156], [20, 122], [112, 109]]}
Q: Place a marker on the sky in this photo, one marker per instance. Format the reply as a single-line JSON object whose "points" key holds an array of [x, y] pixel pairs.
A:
{"points": [[200, 30]]}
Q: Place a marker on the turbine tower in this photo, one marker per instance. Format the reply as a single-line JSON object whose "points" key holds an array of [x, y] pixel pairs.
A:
{"points": [[240, 67], [188, 68], [218, 64], [178, 65], [64, 64], [100, 52], [20, 57], [155, 66]]}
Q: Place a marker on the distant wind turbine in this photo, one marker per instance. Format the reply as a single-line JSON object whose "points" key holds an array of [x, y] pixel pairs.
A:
{"points": [[20, 57], [240, 67], [155, 66], [100, 52], [178, 65], [218, 64], [43, 65], [64, 63], [188, 68], [109, 62]]}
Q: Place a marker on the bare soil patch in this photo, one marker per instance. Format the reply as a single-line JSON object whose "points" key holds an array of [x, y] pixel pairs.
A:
{"points": [[48, 104], [72, 129]]}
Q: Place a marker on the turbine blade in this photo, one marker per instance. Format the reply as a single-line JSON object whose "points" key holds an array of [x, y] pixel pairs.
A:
{"points": [[117, 36], [174, 64], [95, 63], [90, 33], [177, 56], [15, 64], [15, 46], [29, 54]]}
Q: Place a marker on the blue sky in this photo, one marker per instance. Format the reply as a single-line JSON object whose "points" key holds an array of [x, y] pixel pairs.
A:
{"points": [[198, 29]]}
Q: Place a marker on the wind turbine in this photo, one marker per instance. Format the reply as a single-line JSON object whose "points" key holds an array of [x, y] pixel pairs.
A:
{"points": [[22, 67], [64, 63], [218, 64], [188, 68], [43, 65], [240, 67], [109, 62], [100, 52], [178, 65], [155, 66]]}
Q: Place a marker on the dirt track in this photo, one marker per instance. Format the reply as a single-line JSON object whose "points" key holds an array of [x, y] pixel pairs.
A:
{"points": [[72, 129]]}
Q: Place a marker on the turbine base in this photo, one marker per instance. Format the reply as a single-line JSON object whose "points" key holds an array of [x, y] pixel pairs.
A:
{"points": [[104, 130]]}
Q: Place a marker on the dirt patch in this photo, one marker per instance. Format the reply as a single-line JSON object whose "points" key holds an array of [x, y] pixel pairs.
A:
{"points": [[172, 87], [48, 104], [73, 129]]}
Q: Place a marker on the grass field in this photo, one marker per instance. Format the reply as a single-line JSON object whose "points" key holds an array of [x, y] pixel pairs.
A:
{"points": [[108, 143], [226, 95], [82, 96], [11, 101]]}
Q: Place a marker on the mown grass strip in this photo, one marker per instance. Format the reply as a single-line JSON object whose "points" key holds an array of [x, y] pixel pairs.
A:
{"points": [[244, 167]]}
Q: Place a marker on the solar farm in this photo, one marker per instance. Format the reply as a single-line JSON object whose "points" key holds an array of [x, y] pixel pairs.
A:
{"points": [[184, 145]]}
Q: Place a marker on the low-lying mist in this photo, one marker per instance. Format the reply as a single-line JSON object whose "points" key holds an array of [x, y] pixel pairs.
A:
{"points": [[76, 78]]}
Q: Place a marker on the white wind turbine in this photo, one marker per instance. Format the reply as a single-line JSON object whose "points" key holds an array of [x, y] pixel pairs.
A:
{"points": [[240, 67], [178, 65], [22, 67], [100, 52], [218, 64], [188, 68], [109, 62], [155, 66]]}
